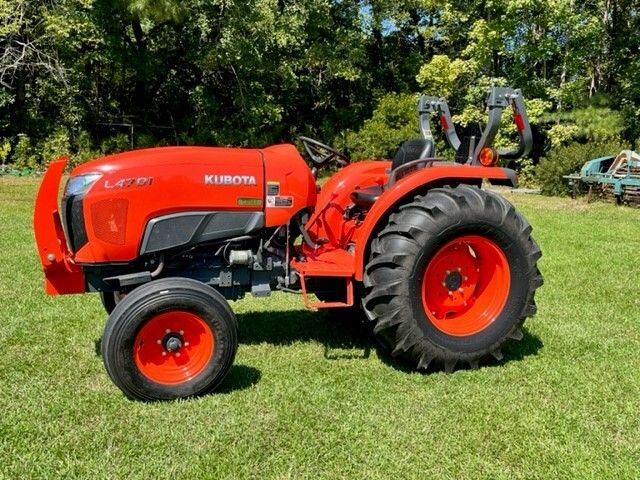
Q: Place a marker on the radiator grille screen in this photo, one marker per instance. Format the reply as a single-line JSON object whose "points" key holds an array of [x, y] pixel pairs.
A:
{"points": [[110, 220]]}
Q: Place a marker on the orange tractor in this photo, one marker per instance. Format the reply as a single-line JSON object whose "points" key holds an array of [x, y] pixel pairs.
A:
{"points": [[444, 271]]}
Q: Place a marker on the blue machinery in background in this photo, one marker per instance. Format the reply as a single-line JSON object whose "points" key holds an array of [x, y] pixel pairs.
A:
{"points": [[615, 178]]}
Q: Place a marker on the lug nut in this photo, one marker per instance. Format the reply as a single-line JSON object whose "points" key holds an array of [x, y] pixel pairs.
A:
{"points": [[181, 332], [167, 331], [164, 354], [159, 342], [177, 354], [186, 344]]}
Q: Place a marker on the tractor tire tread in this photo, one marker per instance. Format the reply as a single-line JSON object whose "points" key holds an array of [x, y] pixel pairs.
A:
{"points": [[393, 254]]}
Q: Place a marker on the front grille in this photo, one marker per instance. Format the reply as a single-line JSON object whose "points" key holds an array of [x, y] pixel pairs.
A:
{"points": [[109, 218], [73, 221]]}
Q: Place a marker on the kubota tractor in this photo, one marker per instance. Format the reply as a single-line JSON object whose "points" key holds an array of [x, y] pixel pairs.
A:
{"points": [[444, 271]]}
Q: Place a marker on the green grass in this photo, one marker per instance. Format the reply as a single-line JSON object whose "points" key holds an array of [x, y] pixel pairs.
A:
{"points": [[309, 398]]}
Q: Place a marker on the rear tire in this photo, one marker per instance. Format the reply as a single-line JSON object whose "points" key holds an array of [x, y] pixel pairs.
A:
{"points": [[451, 278], [171, 338]]}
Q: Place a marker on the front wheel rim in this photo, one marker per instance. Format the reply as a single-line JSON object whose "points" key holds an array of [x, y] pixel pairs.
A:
{"points": [[173, 347], [465, 285]]}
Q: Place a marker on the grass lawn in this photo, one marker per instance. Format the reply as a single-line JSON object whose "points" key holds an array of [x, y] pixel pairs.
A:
{"points": [[309, 397]]}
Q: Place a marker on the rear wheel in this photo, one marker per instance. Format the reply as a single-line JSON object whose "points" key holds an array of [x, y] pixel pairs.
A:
{"points": [[172, 338], [451, 278]]}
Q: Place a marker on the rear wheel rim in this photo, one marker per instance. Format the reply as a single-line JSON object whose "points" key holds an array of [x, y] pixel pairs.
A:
{"points": [[173, 347], [465, 285]]}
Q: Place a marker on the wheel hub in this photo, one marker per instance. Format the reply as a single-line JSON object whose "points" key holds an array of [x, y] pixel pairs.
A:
{"points": [[465, 285], [453, 281], [173, 347], [172, 342]]}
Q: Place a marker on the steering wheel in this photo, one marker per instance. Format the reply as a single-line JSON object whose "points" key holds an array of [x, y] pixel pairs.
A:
{"points": [[322, 154]]}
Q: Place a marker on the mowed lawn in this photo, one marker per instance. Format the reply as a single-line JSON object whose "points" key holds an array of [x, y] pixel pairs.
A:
{"points": [[309, 397]]}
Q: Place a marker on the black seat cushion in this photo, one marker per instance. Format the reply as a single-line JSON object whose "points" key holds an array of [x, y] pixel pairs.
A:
{"points": [[365, 197], [413, 150]]}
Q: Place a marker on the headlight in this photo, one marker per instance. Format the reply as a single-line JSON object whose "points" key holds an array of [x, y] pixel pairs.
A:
{"points": [[80, 184]]}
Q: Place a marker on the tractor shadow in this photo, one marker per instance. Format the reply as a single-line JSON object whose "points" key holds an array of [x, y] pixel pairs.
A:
{"points": [[342, 335], [240, 377], [346, 337]]}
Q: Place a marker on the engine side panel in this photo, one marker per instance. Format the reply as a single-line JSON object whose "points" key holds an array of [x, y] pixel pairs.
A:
{"points": [[138, 186], [290, 186], [191, 228]]}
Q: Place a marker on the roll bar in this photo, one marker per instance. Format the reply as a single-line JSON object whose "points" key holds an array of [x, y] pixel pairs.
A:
{"points": [[498, 99]]}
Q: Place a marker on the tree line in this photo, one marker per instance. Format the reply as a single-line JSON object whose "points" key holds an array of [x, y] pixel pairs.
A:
{"points": [[98, 76]]}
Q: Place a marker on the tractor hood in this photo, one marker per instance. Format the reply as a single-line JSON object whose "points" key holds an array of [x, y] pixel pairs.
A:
{"points": [[108, 202], [164, 160]]}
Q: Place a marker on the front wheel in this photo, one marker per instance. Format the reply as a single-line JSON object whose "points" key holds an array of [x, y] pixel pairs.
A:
{"points": [[451, 278], [171, 338], [111, 299]]}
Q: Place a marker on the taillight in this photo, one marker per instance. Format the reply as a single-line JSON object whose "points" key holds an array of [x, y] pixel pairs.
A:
{"points": [[488, 156]]}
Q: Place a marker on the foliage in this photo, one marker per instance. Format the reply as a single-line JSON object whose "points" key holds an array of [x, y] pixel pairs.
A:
{"points": [[55, 145], [564, 160], [442, 76], [264, 71], [590, 124], [115, 144], [24, 154], [526, 173], [394, 120], [5, 150]]}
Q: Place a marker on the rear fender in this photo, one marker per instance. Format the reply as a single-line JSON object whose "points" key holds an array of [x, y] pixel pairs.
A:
{"points": [[62, 276], [417, 183]]}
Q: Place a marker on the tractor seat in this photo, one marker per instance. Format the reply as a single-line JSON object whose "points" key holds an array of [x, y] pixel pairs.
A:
{"points": [[413, 150], [408, 152], [365, 197]]}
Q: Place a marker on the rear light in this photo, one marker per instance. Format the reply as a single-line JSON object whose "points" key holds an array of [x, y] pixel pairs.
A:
{"points": [[488, 157]]}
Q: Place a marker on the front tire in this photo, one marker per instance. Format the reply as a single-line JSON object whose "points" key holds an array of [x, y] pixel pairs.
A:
{"points": [[110, 300], [171, 338], [451, 278]]}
